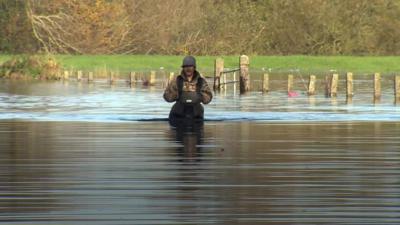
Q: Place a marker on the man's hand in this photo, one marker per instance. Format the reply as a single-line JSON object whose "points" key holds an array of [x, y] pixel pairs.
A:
{"points": [[171, 91]]}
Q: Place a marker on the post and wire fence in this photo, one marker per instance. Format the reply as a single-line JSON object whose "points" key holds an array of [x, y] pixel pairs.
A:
{"points": [[225, 77]]}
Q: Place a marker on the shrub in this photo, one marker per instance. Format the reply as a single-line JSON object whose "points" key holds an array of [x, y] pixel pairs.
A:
{"points": [[42, 67]]}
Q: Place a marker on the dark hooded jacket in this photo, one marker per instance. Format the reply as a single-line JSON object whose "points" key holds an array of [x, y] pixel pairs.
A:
{"points": [[188, 96]]}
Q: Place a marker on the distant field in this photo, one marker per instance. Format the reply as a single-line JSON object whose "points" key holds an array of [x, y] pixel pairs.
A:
{"points": [[306, 64]]}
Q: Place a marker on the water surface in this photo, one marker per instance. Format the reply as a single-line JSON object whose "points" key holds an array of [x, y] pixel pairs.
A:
{"points": [[71, 101], [80, 154]]}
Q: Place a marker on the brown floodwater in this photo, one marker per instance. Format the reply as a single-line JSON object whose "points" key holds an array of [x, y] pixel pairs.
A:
{"points": [[218, 173]]}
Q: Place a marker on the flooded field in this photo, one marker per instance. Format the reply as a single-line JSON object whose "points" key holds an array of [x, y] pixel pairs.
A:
{"points": [[71, 101], [99, 154]]}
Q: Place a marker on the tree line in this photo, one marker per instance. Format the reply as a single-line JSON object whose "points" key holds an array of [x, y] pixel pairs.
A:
{"points": [[201, 27]]}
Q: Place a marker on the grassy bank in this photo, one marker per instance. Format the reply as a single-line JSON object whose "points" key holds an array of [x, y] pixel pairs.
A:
{"points": [[356, 64]]}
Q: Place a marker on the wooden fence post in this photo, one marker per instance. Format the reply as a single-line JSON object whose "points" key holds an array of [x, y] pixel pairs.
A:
{"points": [[377, 85], [334, 85], [327, 85], [349, 85], [244, 74], [111, 78], [90, 77], [132, 78], [397, 88], [349, 100], [66, 75], [224, 81], [79, 75], [152, 80], [171, 77], [162, 76], [290, 83], [234, 83], [311, 85], [265, 84], [218, 68]]}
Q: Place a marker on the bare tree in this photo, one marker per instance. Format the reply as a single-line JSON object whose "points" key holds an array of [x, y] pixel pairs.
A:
{"points": [[213, 27]]}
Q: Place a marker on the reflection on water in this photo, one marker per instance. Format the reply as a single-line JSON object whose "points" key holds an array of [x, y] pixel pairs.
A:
{"points": [[191, 138], [70, 154], [219, 173], [100, 102]]}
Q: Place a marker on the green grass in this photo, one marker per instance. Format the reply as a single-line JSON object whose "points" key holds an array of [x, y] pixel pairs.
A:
{"points": [[306, 64]]}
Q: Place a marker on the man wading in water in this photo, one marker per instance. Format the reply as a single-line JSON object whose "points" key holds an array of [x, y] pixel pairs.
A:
{"points": [[188, 90]]}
